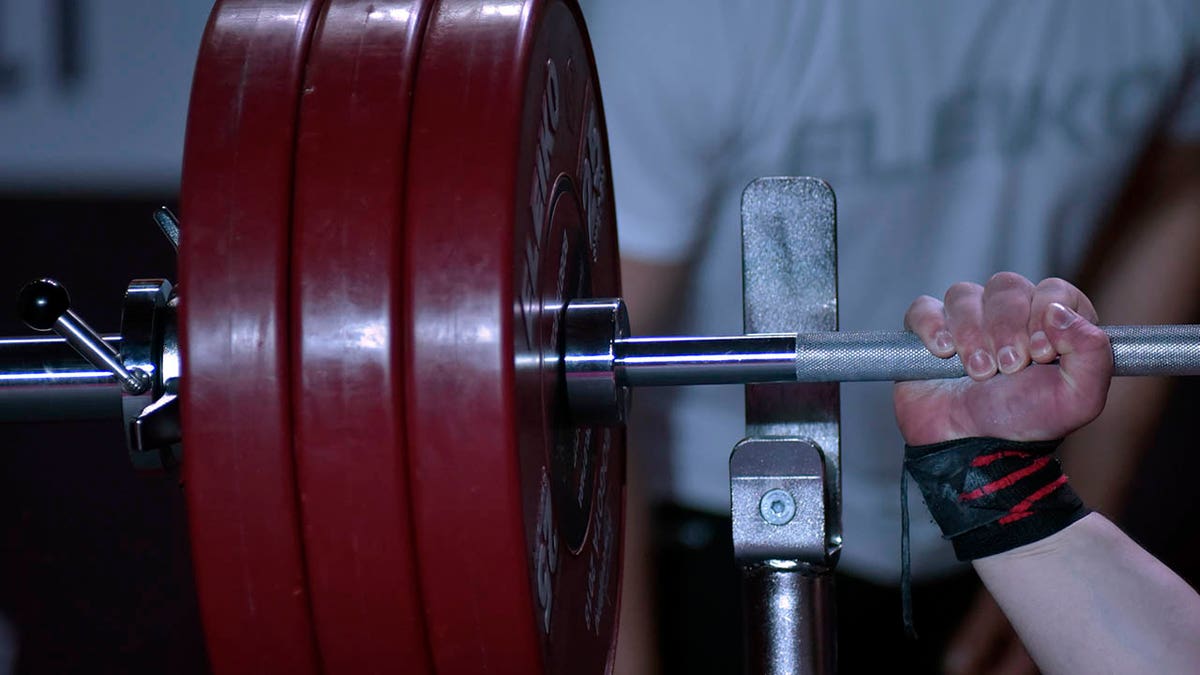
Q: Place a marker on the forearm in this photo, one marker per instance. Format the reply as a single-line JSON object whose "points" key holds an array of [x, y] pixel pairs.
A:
{"points": [[1088, 599]]}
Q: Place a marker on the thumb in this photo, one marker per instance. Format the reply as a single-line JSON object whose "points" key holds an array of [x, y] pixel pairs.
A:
{"points": [[1085, 355]]}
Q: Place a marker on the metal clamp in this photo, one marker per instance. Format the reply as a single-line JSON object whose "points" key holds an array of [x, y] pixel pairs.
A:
{"points": [[42, 379], [593, 327], [149, 342], [777, 491]]}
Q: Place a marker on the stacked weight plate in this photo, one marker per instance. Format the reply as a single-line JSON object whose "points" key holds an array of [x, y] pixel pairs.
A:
{"points": [[509, 215], [347, 287], [235, 261], [386, 207]]}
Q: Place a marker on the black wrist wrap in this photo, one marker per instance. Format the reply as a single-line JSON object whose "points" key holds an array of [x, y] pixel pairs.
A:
{"points": [[988, 495]]}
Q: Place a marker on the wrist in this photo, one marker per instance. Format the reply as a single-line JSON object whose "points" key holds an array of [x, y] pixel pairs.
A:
{"points": [[935, 429], [990, 495], [1063, 542], [927, 415]]}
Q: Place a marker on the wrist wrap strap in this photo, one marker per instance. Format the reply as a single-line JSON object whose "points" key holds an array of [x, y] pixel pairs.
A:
{"points": [[988, 495]]}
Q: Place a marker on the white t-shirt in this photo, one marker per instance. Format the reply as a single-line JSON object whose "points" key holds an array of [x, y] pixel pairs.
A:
{"points": [[961, 139]]}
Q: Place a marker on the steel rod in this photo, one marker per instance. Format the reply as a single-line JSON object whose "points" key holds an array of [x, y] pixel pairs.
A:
{"points": [[44, 378], [789, 620], [704, 360], [860, 356]]}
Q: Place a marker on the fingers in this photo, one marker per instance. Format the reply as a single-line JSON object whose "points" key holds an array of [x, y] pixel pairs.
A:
{"points": [[1002, 327], [964, 319], [927, 320], [1006, 304], [1085, 354], [990, 324], [1050, 291]]}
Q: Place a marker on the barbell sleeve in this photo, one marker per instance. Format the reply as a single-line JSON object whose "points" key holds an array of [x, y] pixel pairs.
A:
{"points": [[45, 379], [860, 356]]}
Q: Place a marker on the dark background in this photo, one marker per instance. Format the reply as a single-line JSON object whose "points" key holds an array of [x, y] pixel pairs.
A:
{"points": [[95, 570]]}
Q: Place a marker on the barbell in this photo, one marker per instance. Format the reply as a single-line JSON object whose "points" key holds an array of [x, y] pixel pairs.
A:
{"points": [[397, 352]]}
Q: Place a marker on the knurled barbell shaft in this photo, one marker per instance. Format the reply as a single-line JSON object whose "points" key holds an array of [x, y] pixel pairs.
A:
{"points": [[860, 356]]}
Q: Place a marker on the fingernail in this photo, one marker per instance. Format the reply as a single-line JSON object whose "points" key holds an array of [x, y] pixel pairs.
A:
{"points": [[1060, 317], [1007, 356], [943, 341], [981, 363], [1039, 344]]}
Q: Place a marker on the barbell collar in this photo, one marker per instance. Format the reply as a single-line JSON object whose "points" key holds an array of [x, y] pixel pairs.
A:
{"points": [[45, 305], [84, 375]]}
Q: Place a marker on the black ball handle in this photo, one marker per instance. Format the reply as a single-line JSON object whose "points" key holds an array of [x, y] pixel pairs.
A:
{"points": [[40, 303]]}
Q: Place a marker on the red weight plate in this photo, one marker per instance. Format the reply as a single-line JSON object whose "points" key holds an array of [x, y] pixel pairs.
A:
{"points": [[236, 202], [346, 326], [509, 216]]}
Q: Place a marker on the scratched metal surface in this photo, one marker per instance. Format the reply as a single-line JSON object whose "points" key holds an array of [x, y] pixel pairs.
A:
{"points": [[789, 248]]}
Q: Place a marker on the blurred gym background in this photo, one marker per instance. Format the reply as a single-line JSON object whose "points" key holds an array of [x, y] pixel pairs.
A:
{"points": [[95, 571], [94, 563]]}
